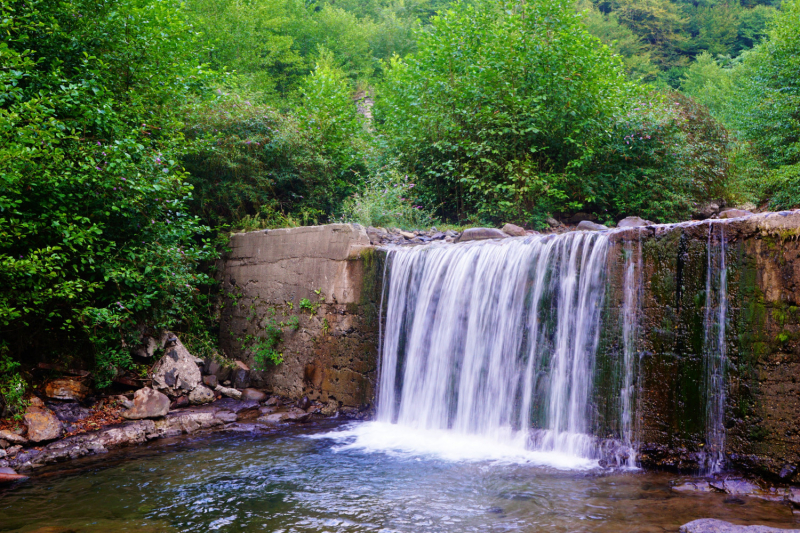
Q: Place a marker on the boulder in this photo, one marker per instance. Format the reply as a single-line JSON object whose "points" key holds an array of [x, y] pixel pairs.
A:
{"points": [[734, 213], [210, 381], [66, 389], [147, 349], [292, 415], [480, 234], [230, 393], [709, 525], [514, 230], [201, 395], [70, 411], [706, 211], [633, 222], [577, 218], [586, 225], [406, 234], [13, 438], [8, 475], [241, 378], [553, 223], [177, 372], [42, 423], [147, 403], [253, 394]]}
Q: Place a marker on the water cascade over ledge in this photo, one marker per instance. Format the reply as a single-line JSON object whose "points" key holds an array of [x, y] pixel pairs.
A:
{"points": [[497, 342]]}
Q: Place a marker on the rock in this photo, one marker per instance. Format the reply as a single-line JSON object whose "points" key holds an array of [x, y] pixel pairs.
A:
{"points": [[253, 394], [479, 234], [577, 218], [738, 487], [709, 525], [66, 389], [272, 401], [149, 346], [177, 372], [706, 211], [210, 381], [292, 415], [405, 234], [69, 412], [586, 225], [553, 223], [242, 365], [304, 404], [147, 403], [13, 438], [201, 395], [230, 393], [734, 213], [438, 236], [633, 222], [514, 231], [8, 475], [241, 378], [180, 402], [450, 233], [42, 423]]}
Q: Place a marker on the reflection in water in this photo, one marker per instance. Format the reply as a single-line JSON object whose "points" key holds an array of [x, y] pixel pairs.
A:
{"points": [[287, 482]]}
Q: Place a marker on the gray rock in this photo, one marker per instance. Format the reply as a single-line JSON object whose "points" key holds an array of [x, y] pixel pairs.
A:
{"points": [[69, 412], [709, 525], [633, 222], [177, 372], [241, 378], [438, 236], [13, 438], [406, 234], [734, 213], [553, 223], [230, 393], [580, 217], [253, 394], [706, 211], [586, 225], [201, 395], [147, 349], [479, 234], [292, 415], [42, 423], [210, 381], [147, 403], [450, 233], [514, 230]]}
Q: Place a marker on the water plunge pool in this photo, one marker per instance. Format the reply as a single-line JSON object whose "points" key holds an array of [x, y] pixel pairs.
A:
{"points": [[356, 477]]}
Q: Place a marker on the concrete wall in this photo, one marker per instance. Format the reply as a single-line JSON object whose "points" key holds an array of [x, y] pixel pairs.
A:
{"points": [[330, 349]]}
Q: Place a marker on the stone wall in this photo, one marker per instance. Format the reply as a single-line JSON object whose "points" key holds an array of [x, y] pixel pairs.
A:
{"points": [[762, 411], [315, 291]]}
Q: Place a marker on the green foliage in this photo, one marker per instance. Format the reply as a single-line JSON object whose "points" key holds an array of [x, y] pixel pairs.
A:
{"points": [[12, 386], [783, 187], [500, 107], [387, 200], [95, 237], [664, 157], [264, 168], [265, 353]]}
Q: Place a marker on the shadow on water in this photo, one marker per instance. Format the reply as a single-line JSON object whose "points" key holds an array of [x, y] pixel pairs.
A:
{"points": [[284, 481]]}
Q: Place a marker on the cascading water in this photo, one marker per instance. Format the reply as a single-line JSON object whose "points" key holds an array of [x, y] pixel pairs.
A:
{"points": [[714, 347], [631, 311], [496, 339]]}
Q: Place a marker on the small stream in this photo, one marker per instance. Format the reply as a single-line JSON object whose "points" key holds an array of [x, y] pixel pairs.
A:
{"points": [[355, 477]]}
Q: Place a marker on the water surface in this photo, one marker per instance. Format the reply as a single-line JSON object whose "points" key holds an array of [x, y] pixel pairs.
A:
{"points": [[303, 480]]}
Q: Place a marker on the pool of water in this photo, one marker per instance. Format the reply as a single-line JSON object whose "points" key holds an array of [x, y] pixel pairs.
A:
{"points": [[345, 478]]}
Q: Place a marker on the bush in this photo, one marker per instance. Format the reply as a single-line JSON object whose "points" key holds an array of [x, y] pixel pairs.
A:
{"points": [[664, 156], [783, 187], [95, 237], [501, 108], [387, 201]]}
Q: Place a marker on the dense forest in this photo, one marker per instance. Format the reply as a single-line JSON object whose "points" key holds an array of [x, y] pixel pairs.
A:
{"points": [[135, 134]]}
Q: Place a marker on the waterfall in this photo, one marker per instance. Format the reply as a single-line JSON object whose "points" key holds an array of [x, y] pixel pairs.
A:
{"points": [[714, 348], [631, 311], [498, 339]]}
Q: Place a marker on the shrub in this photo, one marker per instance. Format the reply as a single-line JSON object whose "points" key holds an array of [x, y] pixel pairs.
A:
{"points": [[387, 201]]}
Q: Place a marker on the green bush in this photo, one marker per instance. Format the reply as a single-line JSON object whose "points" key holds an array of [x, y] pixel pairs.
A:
{"points": [[501, 108], [387, 201], [95, 237], [12, 387], [663, 157], [783, 187]]}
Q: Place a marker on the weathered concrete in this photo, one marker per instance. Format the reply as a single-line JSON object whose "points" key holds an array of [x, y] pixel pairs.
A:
{"points": [[762, 415], [315, 292]]}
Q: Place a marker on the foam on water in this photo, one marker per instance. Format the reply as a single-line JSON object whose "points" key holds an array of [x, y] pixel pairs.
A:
{"points": [[502, 447]]}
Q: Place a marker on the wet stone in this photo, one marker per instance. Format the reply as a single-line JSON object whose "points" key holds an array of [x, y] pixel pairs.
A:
{"points": [[147, 403]]}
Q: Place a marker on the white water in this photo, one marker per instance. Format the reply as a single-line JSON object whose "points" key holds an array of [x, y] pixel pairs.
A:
{"points": [[631, 311], [494, 341], [714, 347]]}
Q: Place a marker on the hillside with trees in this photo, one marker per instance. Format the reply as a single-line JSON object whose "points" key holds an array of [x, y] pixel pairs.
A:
{"points": [[136, 134]]}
